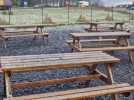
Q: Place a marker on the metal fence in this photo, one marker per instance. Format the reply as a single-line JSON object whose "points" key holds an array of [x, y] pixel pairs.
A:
{"points": [[67, 14]]}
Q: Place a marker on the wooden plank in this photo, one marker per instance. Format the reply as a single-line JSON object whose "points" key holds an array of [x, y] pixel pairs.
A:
{"points": [[108, 22], [91, 94], [69, 92], [103, 77], [56, 64], [57, 55], [100, 34], [52, 57], [44, 59], [109, 73], [30, 26], [21, 34], [54, 81], [8, 85], [94, 40], [107, 49]]}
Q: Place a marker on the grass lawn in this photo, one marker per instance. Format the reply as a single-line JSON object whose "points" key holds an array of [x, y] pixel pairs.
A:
{"points": [[58, 15]]}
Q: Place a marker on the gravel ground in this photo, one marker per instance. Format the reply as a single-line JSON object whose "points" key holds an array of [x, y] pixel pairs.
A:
{"points": [[123, 71]]}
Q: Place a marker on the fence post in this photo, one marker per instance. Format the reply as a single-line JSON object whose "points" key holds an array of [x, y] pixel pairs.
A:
{"points": [[9, 13], [129, 15], [91, 12], [68, 9], [112, 13], [42, 14]]}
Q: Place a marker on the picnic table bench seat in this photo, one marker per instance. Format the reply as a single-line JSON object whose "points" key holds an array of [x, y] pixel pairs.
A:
{"points": [[110, 48], [11, 34], [93, 40], [5, 35], [82, 93], [9, 31]]}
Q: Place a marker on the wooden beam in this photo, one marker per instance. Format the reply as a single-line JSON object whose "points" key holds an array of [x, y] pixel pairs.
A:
{"points": [[54, 82], [8, 84], [103, 76]]}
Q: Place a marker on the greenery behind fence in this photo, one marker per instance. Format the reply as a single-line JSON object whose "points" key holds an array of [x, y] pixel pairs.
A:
{"points": [[66, 14]]}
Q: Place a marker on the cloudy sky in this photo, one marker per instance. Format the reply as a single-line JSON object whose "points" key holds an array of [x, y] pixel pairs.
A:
{"points": [[115, 2]]}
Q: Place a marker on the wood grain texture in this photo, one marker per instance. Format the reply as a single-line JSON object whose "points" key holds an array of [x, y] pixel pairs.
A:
{"points": [[101, 34], [44, 61], [80, 93]]}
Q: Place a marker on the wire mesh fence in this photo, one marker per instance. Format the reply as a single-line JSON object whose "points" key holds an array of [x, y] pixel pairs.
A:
{"points": [[65, 12]]}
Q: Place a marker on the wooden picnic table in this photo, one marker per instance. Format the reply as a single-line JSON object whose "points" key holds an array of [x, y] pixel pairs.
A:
{"points": [[120, 37], [22, 31], [38, 27], [44, 62], [115, 23], [26, 26], [102, 41]]}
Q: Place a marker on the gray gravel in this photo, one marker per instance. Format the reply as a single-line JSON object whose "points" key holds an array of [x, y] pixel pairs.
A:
{"points": [[123, 71]]}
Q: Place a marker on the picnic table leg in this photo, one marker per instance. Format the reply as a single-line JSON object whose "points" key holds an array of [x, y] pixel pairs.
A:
{"points": [[37, 30], [44, 36], [121, 26], [90, 68], [8, 92], [4, 41], [75, 43], [123, 41], [115, 27], [130, 57], [91, 27], [4, 91], [5, 45], [111, 81], [79, 43], [96, 27]]}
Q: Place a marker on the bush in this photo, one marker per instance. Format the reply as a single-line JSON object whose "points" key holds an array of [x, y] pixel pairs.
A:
{"points": [[48, 20], [109, 18], [82, 19]]}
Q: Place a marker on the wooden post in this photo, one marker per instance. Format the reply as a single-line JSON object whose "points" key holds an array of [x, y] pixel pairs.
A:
{"points": [[42, 14], [130, 57], [68, 9], [91, 13], [111, 80], [129, 15], [4, 85], [112, 13], [8, 85], [9, 12]]}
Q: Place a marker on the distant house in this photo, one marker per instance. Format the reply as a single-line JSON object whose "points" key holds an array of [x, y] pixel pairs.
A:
{"points": [[83, 3], [63, 3], [56, 3], [23, 3], [5, 4]]}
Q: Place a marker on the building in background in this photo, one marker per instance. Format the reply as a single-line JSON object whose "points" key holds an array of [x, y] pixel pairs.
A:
{"points": [[23, 3], [5, 4]]}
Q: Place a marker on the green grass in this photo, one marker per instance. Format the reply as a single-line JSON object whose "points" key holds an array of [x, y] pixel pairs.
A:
{"points": [[58, 15]]}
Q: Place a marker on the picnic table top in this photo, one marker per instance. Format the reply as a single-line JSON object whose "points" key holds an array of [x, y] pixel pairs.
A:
{"points": [[53, 61], [108, 22], [100, 34], [27, 26]]}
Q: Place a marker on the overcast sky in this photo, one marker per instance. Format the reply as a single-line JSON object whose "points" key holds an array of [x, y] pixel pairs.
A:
{"points": [[115, 2]]}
